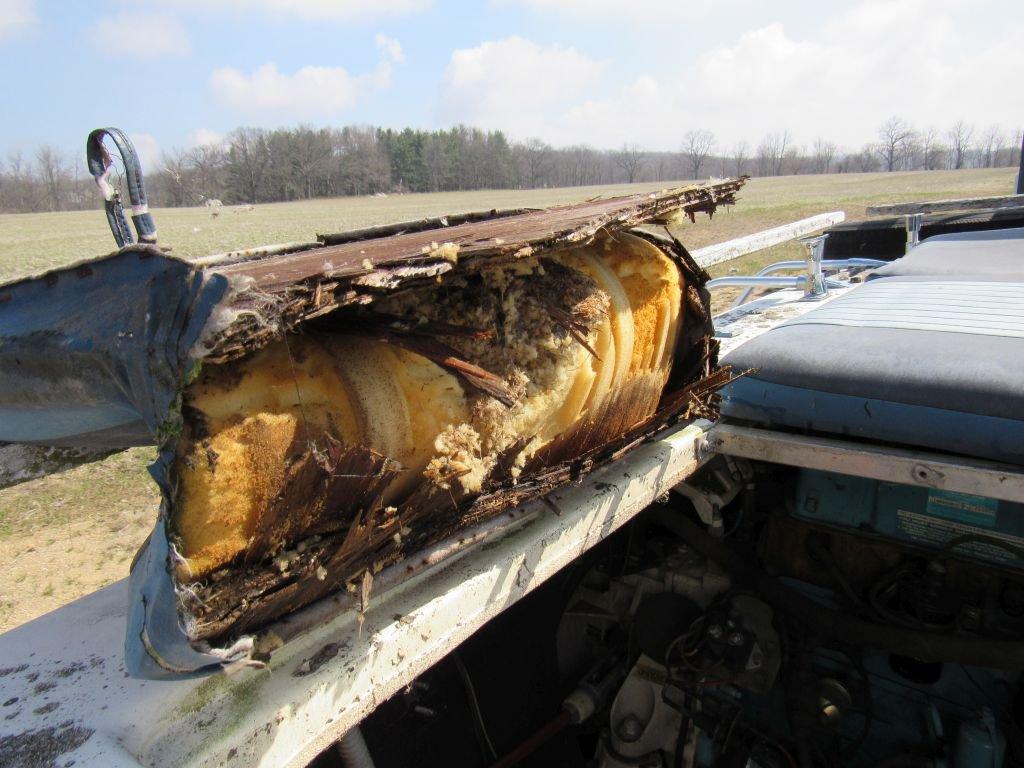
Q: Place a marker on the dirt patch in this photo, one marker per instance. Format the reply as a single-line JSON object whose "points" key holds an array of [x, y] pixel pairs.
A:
{"points": [[64, 536], [42, 747], [317, 660]]}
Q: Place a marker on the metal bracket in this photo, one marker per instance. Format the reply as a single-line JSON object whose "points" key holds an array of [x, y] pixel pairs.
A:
{"points": [[815, 288]]}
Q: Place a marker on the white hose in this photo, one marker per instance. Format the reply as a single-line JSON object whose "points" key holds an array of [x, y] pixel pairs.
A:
{"points": [[353, 750]]}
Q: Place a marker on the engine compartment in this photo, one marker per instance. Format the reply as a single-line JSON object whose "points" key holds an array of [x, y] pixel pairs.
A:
{"points": [[758, 616]]}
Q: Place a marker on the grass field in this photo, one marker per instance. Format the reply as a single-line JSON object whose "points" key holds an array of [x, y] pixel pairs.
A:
{"points": [[66, 535]]}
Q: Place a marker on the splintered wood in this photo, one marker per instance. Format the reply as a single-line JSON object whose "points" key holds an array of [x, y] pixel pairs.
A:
{"points": [[365, 399]]}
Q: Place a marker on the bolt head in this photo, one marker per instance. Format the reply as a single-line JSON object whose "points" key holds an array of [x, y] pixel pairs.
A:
{"points": [[630, 728]]}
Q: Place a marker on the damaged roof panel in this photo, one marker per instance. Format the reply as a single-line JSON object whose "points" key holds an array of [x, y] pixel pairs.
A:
{"points": [[296, 286], [325, 412]]}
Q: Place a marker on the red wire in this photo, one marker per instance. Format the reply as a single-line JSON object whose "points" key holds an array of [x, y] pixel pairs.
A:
{"points": [[542, 735]]}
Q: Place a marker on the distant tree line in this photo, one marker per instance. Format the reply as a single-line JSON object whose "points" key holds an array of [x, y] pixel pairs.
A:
{"points": [[255, 165]]}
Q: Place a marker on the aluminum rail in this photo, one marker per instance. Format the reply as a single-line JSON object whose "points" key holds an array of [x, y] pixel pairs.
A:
{"points": [[813, 282], [793, 281], [66, 696], [759, 241], [827, 265]]}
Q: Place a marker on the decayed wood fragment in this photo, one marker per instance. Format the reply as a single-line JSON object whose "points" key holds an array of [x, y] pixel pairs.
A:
{"points": [[276, 293]]}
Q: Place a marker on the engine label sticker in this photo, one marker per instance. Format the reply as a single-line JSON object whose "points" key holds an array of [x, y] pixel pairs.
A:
{"points": [[964, 508], [936, 532]]}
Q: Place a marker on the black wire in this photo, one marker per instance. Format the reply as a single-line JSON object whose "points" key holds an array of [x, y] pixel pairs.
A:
{"points": [[681, 739], [869, 711], [474, 707], [822, 553]]}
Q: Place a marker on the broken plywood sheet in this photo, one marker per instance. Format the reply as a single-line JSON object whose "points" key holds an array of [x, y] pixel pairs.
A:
{"points": [[280, 291]]}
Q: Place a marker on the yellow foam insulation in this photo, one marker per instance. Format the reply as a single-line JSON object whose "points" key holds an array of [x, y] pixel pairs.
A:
{"points": [[247, 419]]}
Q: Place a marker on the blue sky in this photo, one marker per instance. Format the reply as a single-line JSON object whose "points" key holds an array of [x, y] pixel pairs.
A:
{"points": [[600, 72]]}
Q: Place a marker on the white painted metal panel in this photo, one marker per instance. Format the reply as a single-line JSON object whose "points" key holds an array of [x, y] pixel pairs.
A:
{"points": [[733, 249], [64, 670]]}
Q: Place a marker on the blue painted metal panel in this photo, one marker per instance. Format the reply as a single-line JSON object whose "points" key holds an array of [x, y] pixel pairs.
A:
{"points": [[95, 356], [925, 517]]}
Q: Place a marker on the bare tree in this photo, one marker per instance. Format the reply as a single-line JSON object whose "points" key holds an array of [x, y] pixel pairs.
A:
{"points": [[865, 160], [663, 164], [302, 162], [893, 139], [739, 154], [630, 159], [990, 142], [309, 154], [960, 142], [697, 145], [1008, 152], [175, 178], [824, 153], [207, 165], [771, 151], [21, 190], [931, 149], [363, 165], [53, 174], [794, 162], [248, 161], [537, 161]]}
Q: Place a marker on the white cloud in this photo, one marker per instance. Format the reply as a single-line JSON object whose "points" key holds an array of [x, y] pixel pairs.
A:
{"points": [[140, 34], [267, 89], [16, 16], [315, 10], [859, 69], [516, 85], [309, 93], [148, 150], [839, 79], [204, 137], [391, 48], [649, 14]]}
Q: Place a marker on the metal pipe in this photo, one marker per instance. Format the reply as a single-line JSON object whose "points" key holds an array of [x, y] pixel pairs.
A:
{"points": [[815, 287], [828, 265], [913, 231], [854, 262], [780, 265], [795, 281]]}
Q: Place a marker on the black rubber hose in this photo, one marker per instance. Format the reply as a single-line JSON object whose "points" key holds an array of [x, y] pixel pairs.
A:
{"points": [[118, 223], [98, 161], [829, 622]]}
